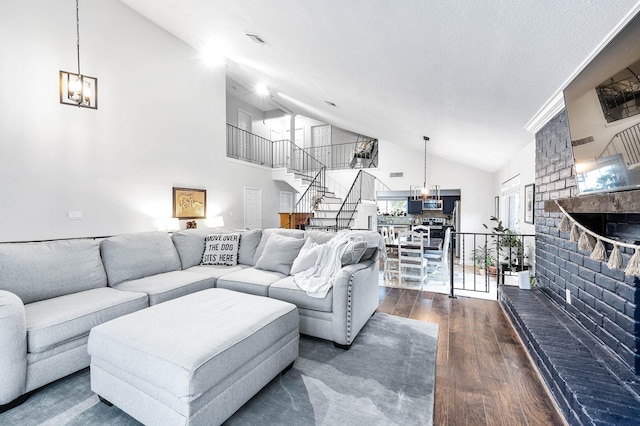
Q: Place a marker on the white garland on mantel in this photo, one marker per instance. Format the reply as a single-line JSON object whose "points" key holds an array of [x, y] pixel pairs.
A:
{"points": [[586, 242]]}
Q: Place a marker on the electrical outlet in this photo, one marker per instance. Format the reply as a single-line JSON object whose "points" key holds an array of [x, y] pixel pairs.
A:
{"points": [[568, 293], [74, 215]]}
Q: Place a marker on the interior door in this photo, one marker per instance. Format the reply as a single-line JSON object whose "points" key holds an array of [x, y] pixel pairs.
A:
{"points": [[252, 208], [321, 143]]}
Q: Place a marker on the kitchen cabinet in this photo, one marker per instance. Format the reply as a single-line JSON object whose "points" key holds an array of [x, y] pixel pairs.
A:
{"points": [[448, 203]]}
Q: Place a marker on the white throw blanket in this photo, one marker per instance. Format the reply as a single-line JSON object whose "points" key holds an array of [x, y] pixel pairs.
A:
{"points": [[318, 280]]}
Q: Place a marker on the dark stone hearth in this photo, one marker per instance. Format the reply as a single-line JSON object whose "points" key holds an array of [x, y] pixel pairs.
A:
{"points": [[591, 384]]}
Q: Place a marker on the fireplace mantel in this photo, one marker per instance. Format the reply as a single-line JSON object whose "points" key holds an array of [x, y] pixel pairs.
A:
{"points": [[622, 202]]}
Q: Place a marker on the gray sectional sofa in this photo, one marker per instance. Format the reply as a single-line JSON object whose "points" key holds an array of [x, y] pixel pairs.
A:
{"points": [[52, 293]]}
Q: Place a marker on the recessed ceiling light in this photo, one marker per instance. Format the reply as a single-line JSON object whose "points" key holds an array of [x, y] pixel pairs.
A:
{"points": [[330, 103], [256, 38], [262, 90]]}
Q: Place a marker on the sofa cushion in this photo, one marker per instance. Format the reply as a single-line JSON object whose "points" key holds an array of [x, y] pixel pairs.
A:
{"points": [[163, 287], [287, 290], [279, 253], [189, 244], [221, 249], [132, 256], [249, 280], [249, 241], [293, 233], [216, 271], [53, 322], [38, 271]]}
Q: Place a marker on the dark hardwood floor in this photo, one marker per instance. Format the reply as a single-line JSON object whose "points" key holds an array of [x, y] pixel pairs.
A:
{"points": [[483, 373]]}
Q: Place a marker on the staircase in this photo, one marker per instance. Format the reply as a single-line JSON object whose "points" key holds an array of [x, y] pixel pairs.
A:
{"points": [[318, 207], [323, 212], [323, 209]]}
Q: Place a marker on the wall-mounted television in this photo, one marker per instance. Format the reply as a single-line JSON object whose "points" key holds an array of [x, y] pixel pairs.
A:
{"points": [[603, 108]]}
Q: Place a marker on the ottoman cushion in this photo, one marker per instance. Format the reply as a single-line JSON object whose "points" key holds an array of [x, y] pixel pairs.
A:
{"points": [[180, 350]]}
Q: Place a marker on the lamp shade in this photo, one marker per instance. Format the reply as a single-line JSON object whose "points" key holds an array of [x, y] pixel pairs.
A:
{"points": [[215, 222]]}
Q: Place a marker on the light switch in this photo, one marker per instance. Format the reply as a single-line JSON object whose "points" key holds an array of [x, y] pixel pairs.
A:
{"points": [[74, 215]]}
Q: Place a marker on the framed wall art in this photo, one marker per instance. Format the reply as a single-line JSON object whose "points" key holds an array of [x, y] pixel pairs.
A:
{"points": [[189, 203], [529, 202]]}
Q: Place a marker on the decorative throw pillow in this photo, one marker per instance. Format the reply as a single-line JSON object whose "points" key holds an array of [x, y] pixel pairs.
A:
{"points": [[220, 249], [353, 253], [291, 233], [279, 253], [249, 241], [306, 258]]}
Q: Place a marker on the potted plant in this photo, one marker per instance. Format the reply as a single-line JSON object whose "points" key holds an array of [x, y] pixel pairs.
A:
{"points": [[483, 256], [509, 245]]}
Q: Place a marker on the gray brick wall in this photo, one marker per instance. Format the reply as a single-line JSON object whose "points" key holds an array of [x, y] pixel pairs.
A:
{"points": [[604, 301]]}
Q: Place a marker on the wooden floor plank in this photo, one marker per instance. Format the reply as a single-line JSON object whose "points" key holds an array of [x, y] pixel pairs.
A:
{"points": [[483, 373]]}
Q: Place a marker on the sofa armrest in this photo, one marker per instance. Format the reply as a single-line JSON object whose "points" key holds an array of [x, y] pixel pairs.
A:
{"points": [[355, 299], [13, 347]]}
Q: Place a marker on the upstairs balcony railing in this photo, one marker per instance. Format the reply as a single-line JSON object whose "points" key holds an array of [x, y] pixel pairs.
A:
{"points": [[246, 146]]}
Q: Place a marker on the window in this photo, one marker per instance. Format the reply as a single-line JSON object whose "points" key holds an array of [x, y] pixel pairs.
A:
{"points": [[510, 203], [392, 206]]}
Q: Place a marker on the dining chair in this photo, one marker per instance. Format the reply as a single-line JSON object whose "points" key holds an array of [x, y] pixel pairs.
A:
{"points": [[425, 230], [411, 256], [439, 259]]}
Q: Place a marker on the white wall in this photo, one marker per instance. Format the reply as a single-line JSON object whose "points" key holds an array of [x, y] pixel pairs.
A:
{"points": [[523, 164], [160, 123]]}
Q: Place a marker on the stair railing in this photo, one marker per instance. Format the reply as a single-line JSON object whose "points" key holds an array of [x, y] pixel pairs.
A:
{"points": [[627, 143], [363, 188], [302, 212], [289, 155]]}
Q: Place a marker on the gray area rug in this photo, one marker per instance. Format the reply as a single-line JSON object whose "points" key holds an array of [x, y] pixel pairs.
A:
{"points": [[386, 378]]}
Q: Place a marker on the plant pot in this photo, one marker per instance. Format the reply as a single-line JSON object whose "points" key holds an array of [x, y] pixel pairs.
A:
{"points": [[493, 271]]}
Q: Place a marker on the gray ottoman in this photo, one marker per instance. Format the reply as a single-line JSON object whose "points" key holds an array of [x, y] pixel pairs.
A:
{"points": [[195, 359]]}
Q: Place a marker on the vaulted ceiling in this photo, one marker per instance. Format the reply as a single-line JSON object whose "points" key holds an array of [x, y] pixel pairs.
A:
{"points": [[469, 75]]}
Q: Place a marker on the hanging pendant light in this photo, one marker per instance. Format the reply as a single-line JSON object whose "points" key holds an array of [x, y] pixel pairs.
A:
{"points": [[77, 89], [425, 189]]}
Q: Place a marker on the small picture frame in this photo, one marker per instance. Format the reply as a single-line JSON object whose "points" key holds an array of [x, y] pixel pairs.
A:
{"points": [[189, 203], [78, 90], [529, 202], [496, 207]]}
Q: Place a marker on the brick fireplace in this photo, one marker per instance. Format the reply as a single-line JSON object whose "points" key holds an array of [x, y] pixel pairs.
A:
{"points": [[604, 301]]}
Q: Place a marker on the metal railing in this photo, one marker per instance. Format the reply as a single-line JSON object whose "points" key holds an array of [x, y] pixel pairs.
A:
{"points": [[363, 188], [302, 212], [492, 256], [349, 155], [246, 146], [627, 143]]}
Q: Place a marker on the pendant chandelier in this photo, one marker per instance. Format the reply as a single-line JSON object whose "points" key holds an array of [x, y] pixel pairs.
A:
{"points": [[77, 89], [425, 189]]}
